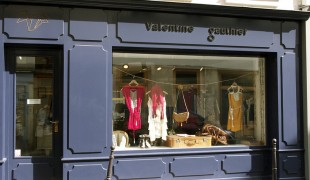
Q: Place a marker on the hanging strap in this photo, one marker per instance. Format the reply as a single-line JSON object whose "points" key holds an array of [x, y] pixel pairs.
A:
{"points": [[179, 88]]}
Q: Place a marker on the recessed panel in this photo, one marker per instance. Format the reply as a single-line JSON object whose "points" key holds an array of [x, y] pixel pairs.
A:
{"points": [[88, 24], [292, 164], [29, 171], [193, 166], [139, 168], [33, 22], [243, 164], [87, 99], [289, 94], [289, 34], [89, 171]]}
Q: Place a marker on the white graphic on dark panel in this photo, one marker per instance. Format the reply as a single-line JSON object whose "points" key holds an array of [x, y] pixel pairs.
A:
{"points": [[32, 24]]}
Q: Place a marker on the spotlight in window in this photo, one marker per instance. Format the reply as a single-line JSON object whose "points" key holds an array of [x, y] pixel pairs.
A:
{"points": [[20, 58], [125, 66], [159, 68], [201, 68]]}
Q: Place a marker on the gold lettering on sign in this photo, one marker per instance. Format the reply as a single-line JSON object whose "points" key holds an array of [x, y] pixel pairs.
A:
{"points": [[32, 24]]}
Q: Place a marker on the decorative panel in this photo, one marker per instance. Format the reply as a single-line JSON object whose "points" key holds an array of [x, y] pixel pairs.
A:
{"points": [[199, 30], [27, 171], [88, 24], [87, 99], [289, 34], [289, 124], [193, 166], [33, 22], [139, 168], [87, 171], [243, 163], [292, 164]]}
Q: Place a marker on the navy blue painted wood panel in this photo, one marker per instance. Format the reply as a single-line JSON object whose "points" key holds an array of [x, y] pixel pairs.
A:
{"points": [[289, 34], [246, 163], [88, 24], [2, 106], [161, 28], [139, 168], [87, 171], [194, 166], [289, 95], [33, 22], [27, 171], [291, 165], [87, 99]]}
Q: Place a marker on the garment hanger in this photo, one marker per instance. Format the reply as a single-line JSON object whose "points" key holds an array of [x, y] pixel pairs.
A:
{"points": [[133, 83], [150, 91], [234, 87]]}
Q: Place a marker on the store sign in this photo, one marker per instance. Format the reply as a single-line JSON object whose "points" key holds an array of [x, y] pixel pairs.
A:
{"points": [[225, 31], [158, 27], [168, 27], [178, 29]]}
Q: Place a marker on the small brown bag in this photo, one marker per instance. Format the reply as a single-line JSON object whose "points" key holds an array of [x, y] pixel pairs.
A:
{"points": [[183, 116], [218, 135]]}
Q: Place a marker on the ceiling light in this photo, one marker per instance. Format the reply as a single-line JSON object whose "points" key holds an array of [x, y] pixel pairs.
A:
{"points": [[201, 68], [125, 66], [173, 68], [159, 68], [20, 58]]}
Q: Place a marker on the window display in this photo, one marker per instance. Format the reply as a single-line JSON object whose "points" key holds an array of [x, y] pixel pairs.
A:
{"points": [[180, 101]]}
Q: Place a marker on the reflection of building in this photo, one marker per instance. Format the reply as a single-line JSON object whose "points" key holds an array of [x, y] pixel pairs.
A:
{"points": [[75, 63]]}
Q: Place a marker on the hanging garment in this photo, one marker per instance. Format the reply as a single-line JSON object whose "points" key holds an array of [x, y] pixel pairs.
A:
{"points": [[235, 115], [157, 118], [157, 124], [157, 96], [133, 97]]}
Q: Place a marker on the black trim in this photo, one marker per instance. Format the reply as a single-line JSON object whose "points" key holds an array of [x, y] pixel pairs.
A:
{"points": [[190, 8]]}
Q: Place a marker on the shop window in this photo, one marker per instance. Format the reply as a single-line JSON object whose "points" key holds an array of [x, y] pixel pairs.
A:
{"points": [[183, 101]]}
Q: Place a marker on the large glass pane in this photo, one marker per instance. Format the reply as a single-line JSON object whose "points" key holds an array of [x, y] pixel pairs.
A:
{"points": [[34, 94], [180, 101]]}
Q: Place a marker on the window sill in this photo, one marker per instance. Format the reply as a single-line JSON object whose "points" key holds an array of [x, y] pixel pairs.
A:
{"points": [[166, 151]]}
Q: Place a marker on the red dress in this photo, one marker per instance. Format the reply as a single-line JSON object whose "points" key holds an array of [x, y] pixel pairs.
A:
{"points": [[133, 97]]}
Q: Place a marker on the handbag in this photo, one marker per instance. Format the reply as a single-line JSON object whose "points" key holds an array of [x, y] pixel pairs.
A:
{"points": [[183, 116], [218, 134]]}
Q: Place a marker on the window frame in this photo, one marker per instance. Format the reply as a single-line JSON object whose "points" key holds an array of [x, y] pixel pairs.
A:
{"points": [[271, 92]]}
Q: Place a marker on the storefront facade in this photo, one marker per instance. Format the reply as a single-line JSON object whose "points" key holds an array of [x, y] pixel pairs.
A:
{"points": [[67, 95]]}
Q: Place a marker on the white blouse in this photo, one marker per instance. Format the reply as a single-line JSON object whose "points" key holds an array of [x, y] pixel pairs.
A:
{"points": [[157, 127]]}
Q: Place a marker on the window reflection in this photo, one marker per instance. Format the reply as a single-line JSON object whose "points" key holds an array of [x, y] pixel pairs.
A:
{"points": [[34, 93]]}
